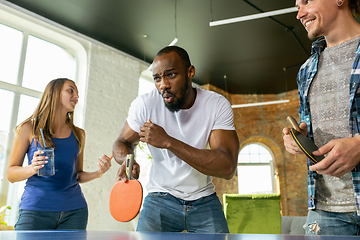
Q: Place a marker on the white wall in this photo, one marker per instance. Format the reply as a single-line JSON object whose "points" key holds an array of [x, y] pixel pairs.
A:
{"points": [[112, 84]]}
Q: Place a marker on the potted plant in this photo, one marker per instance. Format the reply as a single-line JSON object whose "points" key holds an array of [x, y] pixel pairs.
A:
{"points": [[3, 224]]}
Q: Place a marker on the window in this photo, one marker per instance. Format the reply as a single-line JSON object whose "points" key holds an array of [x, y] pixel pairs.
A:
{"points": [[30, 56], [146, 81], [255, 170]]}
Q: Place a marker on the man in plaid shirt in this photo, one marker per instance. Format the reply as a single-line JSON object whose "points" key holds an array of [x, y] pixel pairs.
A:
{"points": [[328, 117]]}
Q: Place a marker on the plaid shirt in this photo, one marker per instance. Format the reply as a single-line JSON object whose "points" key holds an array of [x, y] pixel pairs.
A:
{"points": [[305, 76]]}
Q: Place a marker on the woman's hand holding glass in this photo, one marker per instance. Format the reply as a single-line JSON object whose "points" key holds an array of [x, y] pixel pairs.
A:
{"points": [[37, 162]]}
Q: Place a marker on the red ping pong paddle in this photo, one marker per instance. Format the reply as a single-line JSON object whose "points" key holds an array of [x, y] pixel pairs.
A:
{"points": [[304, 143], [126, 197]]}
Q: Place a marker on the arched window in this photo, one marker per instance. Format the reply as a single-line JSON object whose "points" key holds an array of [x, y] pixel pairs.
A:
{"points": [[255, 170]]}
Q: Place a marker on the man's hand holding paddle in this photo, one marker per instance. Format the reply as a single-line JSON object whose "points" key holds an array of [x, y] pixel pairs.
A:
{"points": [[121, 174], [289, 143], [299, 142], [342, 154]]}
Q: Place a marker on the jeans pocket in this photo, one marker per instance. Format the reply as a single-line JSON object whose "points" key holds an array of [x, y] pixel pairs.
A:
{"points": [[20, 212], [209, 198]]}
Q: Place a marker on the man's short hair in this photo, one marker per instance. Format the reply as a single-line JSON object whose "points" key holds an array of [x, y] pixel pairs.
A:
{"points": [[180, 51]]}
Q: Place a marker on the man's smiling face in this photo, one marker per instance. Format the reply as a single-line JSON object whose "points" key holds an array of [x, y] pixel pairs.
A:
{"points": [[317, 16]]}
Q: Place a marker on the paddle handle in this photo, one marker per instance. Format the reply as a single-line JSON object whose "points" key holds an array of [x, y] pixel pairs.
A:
{"points": [[291, 120], [129, 166]]}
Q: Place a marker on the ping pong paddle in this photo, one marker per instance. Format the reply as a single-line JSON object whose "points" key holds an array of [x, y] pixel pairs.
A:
{"points": [[304, 143], [126, 197]]}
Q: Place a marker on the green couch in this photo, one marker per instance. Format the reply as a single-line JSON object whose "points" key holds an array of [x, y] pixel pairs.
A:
{"points": [[257, 213]]}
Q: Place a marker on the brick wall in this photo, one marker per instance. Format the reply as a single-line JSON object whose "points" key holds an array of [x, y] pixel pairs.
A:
{"points": [[264, 124]]}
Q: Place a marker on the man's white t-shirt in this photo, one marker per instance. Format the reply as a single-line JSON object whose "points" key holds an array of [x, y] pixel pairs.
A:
{"points": [[192, 126]]}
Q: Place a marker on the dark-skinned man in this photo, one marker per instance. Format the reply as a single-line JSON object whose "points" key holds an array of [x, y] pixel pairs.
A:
{"points": [[177, 121]]}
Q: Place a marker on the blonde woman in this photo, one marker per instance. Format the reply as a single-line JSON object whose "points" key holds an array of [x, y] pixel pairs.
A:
{"points": [[53, 202]]}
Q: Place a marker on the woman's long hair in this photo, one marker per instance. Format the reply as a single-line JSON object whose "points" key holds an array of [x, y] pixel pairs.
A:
{"points": [[355, 7], [44, 115]]}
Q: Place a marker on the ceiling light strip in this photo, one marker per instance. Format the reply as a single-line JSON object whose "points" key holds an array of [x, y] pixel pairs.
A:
{"points": [[253, 16], [173, 42], [259, 103]]}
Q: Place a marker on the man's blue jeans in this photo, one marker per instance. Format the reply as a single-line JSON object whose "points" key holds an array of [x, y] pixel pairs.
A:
{"points": [[40, 220], [332, 223], [163, 212]]}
